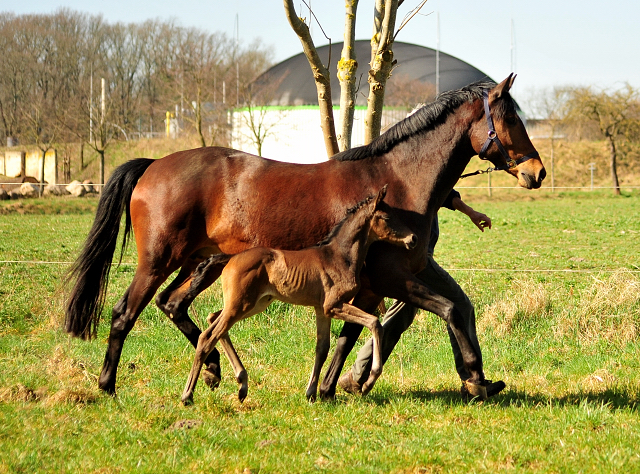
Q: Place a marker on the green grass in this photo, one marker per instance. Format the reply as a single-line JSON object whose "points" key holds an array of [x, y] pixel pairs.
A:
{"points": [[565, 343]]}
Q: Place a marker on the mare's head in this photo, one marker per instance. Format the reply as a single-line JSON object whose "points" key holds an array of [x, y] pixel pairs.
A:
{"points": [[386, 225], [499, 136]]}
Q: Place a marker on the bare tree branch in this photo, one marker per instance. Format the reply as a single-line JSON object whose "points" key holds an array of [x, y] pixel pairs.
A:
{"points": [[320, 75], [347, 67], [381, 64]]}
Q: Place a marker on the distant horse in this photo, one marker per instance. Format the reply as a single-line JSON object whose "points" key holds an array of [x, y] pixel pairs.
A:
{"points": [[326, 276], [196, 203]]}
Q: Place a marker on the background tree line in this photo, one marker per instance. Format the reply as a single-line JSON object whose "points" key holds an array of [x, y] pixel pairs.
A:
{"points": [[590, 114], [53, 65]]}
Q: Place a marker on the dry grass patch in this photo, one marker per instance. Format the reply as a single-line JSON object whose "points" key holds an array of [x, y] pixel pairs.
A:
{"points": [[609, 310], [526, 301], [69, 373]]}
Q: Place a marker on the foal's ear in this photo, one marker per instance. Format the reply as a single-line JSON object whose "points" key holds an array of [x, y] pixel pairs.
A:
{"points": [[381, 194], [504, 86]]}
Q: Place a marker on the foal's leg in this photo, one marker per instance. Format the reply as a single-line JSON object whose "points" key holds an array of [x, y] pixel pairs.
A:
{"points": [[323, 342], [232, 356], [368, 301], [355, 315], [206, 344], [175, 300]]}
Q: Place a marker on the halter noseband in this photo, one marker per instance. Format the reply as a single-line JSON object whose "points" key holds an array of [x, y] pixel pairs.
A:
{"points": [[492, 137]]}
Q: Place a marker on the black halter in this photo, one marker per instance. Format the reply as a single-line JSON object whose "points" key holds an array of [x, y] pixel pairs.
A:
{"points": [[492, 137]]}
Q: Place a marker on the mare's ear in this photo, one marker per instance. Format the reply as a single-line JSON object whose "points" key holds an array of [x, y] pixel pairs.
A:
{"points": [[504, 86], [381, 194]]}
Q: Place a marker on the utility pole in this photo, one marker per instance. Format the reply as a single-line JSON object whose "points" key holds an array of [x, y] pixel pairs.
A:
{"points": [[237, 61], [437, 53], [592, 168], [91, 108]]}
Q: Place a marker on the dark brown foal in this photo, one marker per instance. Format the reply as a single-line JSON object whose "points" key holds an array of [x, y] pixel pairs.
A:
{"points": [[325, 277]]}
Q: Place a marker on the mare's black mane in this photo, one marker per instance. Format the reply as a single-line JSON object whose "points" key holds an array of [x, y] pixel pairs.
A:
{"points": [[425, 118]]}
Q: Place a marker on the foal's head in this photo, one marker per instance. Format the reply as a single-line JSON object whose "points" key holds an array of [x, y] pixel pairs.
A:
{"points": [[386, 225]]}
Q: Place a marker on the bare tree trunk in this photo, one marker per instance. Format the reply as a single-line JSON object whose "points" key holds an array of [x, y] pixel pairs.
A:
{"points": [[198, 116], [101, 153], [381, 65], [613, 159], [44, 154], [321, 76], [347, 67]]}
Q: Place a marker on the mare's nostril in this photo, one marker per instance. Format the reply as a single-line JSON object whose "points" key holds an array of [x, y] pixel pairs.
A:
{"points": [[542, 174]]}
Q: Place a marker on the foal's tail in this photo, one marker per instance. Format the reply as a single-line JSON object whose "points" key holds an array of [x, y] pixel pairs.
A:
{"points": [[91, 269]]}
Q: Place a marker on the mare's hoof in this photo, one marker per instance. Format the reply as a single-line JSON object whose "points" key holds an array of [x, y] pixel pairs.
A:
{"points": [[109, 389], [349, 385], [210, 378], [329, 395], [483, 391], [471, 390]]}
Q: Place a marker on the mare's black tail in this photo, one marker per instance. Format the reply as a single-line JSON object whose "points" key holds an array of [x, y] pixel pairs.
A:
{"points": [[91, 269]]}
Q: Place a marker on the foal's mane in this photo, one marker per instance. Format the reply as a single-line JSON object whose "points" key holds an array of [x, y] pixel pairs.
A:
{"points": [[350, 212], [425, 118]]}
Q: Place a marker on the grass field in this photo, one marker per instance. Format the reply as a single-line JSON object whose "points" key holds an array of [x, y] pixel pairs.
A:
{"points": [[557, 293]]}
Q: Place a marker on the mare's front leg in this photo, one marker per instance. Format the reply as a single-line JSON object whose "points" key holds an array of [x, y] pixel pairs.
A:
{"points": [[323, 342], [409, 289], [175, 300], [352, 314]]}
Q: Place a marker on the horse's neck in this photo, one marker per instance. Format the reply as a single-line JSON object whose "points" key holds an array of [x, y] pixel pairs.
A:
{"points": [[432, 162], [349, 245]]}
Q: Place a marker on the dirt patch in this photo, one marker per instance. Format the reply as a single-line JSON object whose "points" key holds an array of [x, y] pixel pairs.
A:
{"points": [[184, 425]]}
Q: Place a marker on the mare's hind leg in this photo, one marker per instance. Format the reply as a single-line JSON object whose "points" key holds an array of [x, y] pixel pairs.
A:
{"points": [[124, 315], [323, 342], [175, 300]]}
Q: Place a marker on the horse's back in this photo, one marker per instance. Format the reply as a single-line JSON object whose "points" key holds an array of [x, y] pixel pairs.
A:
{"points": [[227, 200]]}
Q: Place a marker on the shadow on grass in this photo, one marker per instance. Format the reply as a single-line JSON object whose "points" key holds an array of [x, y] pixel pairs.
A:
{"points": [[617, 398]]}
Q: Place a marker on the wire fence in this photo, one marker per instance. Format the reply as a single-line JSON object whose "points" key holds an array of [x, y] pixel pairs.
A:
{"points": [[515, 188], [484, 270]]}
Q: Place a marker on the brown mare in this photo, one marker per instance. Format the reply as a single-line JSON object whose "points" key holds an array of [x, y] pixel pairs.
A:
{"points": [[326, 276], [192, 204]]}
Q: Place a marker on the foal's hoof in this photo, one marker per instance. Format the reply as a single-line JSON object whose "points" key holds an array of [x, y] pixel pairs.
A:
{"points": [[187, 400], [242, 393], [210, 378]]}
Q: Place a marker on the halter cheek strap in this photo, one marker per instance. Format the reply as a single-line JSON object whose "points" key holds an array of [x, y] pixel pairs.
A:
{"points": [[492, 137]]}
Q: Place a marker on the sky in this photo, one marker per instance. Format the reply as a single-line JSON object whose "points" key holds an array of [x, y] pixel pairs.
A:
{"points": [[546, 42]]}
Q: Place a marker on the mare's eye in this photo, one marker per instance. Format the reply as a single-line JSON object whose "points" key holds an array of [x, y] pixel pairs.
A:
{"points": [[511, 120]]}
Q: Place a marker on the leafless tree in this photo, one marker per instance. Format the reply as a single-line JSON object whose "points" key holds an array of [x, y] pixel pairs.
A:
{"points": [[551, 105], [615, 114], [320, 74]]}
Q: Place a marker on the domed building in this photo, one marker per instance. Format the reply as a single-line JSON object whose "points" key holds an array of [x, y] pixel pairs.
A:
{"points": [[284, 123]]}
